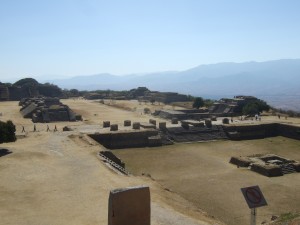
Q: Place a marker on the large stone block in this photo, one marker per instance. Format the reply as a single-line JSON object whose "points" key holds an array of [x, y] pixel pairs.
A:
{"points": [[136, 125], [129, 206], [127, 123], [162, 125], [152, 121], [106, 123], [113, 127]]}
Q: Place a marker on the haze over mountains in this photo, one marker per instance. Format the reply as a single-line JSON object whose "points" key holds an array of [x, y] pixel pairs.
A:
{"points": [[277, 82]]}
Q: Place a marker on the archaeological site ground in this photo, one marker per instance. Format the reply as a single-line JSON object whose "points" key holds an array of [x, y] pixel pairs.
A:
{"points": [[64, 175]]}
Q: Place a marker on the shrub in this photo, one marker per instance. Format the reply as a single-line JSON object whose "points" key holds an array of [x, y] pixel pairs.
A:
{"points": [[147, 110], [7, 132]]}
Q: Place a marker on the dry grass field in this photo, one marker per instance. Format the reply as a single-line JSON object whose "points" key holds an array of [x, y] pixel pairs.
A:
{"points": [[57, 178], [200, 172]]}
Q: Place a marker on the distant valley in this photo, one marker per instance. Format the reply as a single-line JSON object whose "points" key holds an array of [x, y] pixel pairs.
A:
{"points": [[277, 82]]}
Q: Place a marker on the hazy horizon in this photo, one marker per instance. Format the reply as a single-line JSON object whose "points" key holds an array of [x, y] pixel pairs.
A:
{"points": [[71, 38], [50, 77]]}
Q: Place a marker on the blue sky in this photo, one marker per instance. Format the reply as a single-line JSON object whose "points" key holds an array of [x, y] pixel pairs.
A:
{"points": [[82, 37]]}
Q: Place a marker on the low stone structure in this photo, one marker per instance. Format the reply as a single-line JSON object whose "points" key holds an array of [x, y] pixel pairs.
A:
{"points": [[269, 165], [46, 110], [240, 161], [256, 131], [148, 125], [184, 114], [194, 134], [129, 206]]}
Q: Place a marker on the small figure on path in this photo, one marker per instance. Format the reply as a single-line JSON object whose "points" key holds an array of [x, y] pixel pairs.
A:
{"points": [[34, 128], [55, 128], [48, 129], [23, 129]]}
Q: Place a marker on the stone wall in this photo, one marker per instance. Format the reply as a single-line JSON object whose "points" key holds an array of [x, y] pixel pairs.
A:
{"points": [[124, 139], [269, 171], [256, 131]]}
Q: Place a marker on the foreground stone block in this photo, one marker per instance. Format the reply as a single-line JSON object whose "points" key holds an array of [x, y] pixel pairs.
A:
{"points": [[129, 206]]}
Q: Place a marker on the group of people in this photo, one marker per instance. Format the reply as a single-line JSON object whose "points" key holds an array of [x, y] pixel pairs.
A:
{"points": [[34, 128]]}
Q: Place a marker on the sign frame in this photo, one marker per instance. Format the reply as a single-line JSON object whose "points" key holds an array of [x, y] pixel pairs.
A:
{"points": [[254, 197]]}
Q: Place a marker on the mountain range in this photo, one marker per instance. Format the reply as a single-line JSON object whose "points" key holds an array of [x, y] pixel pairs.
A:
{"points": [[277, 81]]}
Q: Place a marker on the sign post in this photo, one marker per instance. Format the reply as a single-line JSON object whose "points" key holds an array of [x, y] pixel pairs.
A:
{"points": [[253, 217], [254, 199]]}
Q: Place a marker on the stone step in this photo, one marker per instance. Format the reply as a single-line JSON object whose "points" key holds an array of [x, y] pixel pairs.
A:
{"points": [[286, 169]]}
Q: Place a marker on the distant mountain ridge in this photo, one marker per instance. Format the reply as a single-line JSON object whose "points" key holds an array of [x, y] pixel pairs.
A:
{"points": [[262, 79]]}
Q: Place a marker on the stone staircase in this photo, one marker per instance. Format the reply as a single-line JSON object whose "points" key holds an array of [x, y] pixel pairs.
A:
{"points": [[287, 168], [114, 165]]}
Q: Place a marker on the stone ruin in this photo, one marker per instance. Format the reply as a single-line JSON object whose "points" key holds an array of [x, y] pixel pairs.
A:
{"points": [[115, 162], [45, 110], [269, 165]]}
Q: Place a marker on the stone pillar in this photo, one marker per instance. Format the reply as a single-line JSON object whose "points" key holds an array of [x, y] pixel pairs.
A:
{"points": [[152, 121], [162, 125], [129, 206], [127, 123], [174, 121], [106, 123], [114, 127], [208, 123], [136, 125]]}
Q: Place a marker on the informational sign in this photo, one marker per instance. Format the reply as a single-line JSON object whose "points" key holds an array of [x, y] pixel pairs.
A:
{"points": [[254, 197], [129, 206]]}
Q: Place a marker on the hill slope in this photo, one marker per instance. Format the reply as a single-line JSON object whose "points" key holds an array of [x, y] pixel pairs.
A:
{"points": [[267, 80]]}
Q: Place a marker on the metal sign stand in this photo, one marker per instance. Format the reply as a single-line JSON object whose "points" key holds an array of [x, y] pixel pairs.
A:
{"points": [[253, 216], [254, 199]]}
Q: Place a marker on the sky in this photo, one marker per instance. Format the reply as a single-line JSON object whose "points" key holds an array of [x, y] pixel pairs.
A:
{"points": [[63, 38]]}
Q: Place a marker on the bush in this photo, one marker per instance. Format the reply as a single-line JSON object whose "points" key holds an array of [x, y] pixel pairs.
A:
{"points": [[255, 106], [147, 111], [7, 132], [198, 102]]}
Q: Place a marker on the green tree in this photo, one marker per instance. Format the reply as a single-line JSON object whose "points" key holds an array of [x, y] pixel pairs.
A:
{"points": [[254, 107], [198, 102], [7, 132]]}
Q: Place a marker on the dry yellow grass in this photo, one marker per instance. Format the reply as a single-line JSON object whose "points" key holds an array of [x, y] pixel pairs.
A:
{"points": [[57, 177]]}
